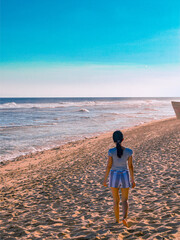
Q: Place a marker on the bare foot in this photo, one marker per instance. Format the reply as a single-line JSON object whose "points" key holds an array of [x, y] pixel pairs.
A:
{"points": [[125, 223]]}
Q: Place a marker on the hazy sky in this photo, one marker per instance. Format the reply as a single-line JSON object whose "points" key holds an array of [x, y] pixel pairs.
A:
{"points": [[89, 48]]}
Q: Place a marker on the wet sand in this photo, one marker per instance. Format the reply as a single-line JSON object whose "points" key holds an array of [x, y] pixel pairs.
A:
{"points": [[58, 193]]}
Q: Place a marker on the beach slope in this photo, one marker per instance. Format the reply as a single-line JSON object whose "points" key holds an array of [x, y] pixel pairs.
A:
{"points": [[58, 193]]}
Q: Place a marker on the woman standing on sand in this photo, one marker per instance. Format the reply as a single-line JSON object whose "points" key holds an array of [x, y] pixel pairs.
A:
{"points": [[119, 165]]}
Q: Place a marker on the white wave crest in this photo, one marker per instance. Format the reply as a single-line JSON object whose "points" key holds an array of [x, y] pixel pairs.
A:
{"points": [[13, 105], [83, 110], [122, 103]]}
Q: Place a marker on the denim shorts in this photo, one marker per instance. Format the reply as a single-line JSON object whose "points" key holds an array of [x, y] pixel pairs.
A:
{"points": [[119, 179]]}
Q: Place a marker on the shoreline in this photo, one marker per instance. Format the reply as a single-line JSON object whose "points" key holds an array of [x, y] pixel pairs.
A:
{"points": [[58, 193], [95, 135], [34, 134]]}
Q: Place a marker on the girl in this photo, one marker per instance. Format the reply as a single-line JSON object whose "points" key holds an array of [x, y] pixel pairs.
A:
{"points": [[120, 165]]}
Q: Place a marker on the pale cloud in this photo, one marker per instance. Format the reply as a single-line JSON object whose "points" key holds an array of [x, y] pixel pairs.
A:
{"points": [[90, 81]]}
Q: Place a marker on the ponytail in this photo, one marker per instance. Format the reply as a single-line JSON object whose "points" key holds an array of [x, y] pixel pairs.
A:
{"points": [[118, 138], [119, 149]]}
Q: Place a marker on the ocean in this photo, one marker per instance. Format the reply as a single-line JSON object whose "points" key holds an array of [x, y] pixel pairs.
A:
{"points": [[33, 124]]}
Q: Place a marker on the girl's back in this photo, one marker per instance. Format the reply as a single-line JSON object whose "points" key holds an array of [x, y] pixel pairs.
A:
{"points": [[120, 163]]}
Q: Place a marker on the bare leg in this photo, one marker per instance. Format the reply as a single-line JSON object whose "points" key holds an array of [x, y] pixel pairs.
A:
{"points": [[116, 199], [125, 205]]}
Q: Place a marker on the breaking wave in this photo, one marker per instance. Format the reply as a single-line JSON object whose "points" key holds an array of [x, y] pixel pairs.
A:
{"points": [[84, 104]]}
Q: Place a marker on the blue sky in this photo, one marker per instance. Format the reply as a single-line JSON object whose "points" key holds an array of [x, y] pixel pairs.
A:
{"points": [[139, 38]]}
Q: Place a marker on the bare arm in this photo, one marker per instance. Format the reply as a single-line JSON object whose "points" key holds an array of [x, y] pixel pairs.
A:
{"points": [[131, 170], [109, 165]]}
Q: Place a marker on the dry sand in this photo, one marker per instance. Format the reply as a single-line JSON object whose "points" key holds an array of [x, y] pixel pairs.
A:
{"points": [[58, 193]]}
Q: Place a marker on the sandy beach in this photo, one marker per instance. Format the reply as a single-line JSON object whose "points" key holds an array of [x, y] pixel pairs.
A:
{"points": [[58, 193]]}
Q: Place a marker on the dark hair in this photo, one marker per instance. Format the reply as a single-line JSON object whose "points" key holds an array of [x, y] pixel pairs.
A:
{"points": [[118, 137]]}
